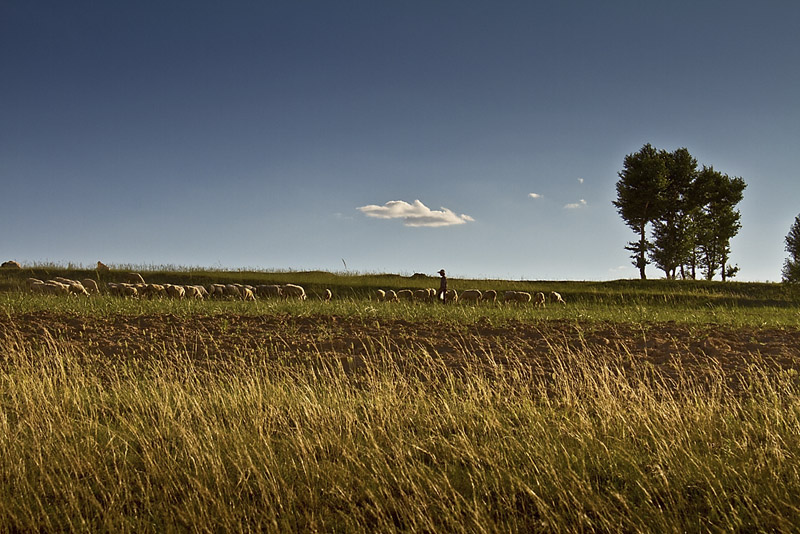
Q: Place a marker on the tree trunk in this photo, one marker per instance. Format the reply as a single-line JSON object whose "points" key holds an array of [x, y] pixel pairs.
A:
{"points": [[642, 261]]}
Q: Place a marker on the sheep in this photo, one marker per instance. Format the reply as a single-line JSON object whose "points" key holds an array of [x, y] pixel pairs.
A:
{"points": [[74, 286], [78, 289], [490, 295], [470, 295], [539, 300], [451, 295], [134, 278], [216, 290], [102, 267], [268, 290], [33, 281], [556, 297], [327, 295], [193, 292], [203, 291], [10, 264], [391, 296], [51, 287], [405, 294], [175, 292], [247, 294], [90, 285], [155, 291], [517, 296], [381, 295], [293, 291], [128, 290], [232, 291]]}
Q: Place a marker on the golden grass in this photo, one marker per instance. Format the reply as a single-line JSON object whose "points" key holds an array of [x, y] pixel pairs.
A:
{"points": [[266, 441]]}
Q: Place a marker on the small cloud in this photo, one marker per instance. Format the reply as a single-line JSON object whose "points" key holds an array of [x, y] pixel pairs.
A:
{"points": [[416, 214], [534, 195], [575, 205], [580, 180]]}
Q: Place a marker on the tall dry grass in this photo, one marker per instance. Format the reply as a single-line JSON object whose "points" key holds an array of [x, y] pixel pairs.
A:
{"points": [[393, 442]]}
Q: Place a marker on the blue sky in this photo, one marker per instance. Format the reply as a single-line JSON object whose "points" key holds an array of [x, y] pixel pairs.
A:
{"points": [[394, 137]]}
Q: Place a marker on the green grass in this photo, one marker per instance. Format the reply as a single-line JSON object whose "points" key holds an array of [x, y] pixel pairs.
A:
{"points": [[632, 310]]}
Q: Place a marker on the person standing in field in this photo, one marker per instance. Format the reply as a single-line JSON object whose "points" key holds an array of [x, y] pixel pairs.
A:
{"points": [[442, 294]]}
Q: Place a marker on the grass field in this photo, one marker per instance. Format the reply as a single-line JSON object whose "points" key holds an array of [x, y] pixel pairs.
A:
{"points": [[649, 406]]}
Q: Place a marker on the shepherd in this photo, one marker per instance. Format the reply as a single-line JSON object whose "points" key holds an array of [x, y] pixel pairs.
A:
{"points": [[442, 294]]}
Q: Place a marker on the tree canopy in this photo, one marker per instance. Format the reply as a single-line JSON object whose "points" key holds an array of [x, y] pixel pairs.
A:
{"points": [[692, 213]]}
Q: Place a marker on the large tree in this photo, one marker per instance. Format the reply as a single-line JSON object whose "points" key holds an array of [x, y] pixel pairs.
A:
{"points": [[717, 221], [672, 229], [791, 267], [692, 213], [639, 195]]}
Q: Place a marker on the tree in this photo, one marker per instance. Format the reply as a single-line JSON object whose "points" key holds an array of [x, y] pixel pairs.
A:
{"points": [[717, 221], [672, 240], [639, 190], [791, 267], [692, 213]]}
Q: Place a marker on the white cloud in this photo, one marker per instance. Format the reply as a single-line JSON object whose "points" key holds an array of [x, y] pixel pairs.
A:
{"points": [[416, 214], [580, 180], [534, 195], [575, 205]]}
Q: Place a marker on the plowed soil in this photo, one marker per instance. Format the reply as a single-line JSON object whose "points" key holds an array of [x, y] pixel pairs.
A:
{"points": [[667, 346]]}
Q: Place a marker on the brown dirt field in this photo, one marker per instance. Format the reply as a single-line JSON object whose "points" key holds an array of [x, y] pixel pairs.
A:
{"points": [[668, 346]]}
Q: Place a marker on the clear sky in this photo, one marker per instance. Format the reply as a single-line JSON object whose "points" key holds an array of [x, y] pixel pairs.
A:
{"points": [[480, 137]]}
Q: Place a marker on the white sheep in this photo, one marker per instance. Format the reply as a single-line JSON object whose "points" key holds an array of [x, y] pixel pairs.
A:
{"points": [[539, 299], [470, 295], [10, 264], [293, 291], [232, 291], [102, 267], [247, 294], [490, 295], [175, 292], [556, 297], [51, 287], [193, 292], [128, 290], [32, 281], [155, 291], [381, 295], [391, 296], [517, 296], [273, 290], [75, 287], [90, 285], [451, 295], [327, 295], [216, 290]]}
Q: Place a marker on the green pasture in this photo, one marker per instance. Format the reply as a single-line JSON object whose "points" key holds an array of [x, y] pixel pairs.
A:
{"points": [[688, 301]]}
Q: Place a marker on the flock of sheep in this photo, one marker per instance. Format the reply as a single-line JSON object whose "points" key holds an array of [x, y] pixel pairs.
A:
{"points": [[136, 287], [468, 296]]}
